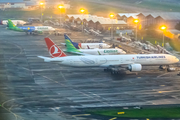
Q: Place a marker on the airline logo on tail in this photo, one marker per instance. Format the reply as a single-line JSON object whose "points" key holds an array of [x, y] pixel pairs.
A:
{"points": [[76, 45], [10, 23], [54, 50]]}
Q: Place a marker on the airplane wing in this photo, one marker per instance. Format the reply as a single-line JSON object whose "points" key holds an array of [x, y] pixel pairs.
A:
{"points": [[121, 65]]}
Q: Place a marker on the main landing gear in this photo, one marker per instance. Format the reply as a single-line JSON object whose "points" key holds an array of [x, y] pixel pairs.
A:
{"points": [[114, 71]]}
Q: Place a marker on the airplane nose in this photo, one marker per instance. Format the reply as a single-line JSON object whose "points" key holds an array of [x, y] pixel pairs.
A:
{"points": [[177, 59]]}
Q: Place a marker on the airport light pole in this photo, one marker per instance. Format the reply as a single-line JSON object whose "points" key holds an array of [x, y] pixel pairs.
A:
{"points": [[112, 16], [82, 11], [41, 5], [136, 21], [60, 8], [163, 28]]}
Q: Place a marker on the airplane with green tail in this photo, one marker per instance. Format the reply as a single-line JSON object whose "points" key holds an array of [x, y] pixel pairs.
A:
{"points": [[29, 29], [71, 49]]}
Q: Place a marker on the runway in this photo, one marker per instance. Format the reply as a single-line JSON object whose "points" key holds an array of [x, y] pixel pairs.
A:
{"points": [[31, 89]]}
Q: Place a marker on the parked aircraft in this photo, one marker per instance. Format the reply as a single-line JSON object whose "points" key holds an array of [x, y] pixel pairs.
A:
{"points": [[29, 29], [70, 48], [85, 45], [15, 22], [133, 62]]}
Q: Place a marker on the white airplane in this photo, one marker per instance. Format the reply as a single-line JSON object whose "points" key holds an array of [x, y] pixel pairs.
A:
{"points": [[70, 48], [86, 45], [29, 29], [102, 51], [44, 28], [4, 22], [134, 62]]}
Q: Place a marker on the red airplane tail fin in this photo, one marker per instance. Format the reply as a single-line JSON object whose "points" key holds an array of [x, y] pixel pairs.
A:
{"points": [[53, 49]]}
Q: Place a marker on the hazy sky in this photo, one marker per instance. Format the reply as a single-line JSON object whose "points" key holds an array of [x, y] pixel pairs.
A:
{"points": [[31, 2], [11, 0]]}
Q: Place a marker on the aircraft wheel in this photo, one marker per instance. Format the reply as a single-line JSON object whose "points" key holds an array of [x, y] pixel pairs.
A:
{"points": [[116, 72], [113, 72]]}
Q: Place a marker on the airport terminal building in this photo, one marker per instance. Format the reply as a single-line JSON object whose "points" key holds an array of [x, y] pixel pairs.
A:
{"points": [[95, 22], [146, 19]]}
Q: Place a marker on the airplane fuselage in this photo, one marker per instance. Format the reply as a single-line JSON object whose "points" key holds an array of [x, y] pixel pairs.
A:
{"points": [[102, 51], [4, 22], [36, 28], [90, 45], [115, 60], [93, 45]]}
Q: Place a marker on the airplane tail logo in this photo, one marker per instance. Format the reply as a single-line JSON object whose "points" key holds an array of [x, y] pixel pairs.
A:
{"points": [[67, 38], [70, 46], [10, 23], [76, 45], [53, 49]]}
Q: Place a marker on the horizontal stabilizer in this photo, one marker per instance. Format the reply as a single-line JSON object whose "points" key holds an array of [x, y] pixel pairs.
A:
{"points": [[46, 59]]}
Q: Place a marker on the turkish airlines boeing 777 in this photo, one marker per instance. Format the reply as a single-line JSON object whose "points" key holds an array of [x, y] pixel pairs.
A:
{"points": [[134, 62]]}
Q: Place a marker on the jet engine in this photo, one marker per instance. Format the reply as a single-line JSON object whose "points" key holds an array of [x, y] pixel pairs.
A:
{"points": [[135, 67]]}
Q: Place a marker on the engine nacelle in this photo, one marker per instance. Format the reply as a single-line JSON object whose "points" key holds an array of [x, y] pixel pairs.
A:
{"points": [[135, 67]]}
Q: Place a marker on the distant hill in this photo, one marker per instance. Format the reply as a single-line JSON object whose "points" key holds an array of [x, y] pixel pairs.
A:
{"points": [[141, 1], [153, 5]]}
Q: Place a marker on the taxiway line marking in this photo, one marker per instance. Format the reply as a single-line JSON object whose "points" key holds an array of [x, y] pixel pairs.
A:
{"points": [[81, 115], [113, 118], [63, 76], [162, 75]]}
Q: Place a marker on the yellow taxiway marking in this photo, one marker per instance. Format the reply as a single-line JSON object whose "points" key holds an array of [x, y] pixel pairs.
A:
{"points": [[168, 91], [81, 115], [113, 118], [15, 115], [120, 113]]}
